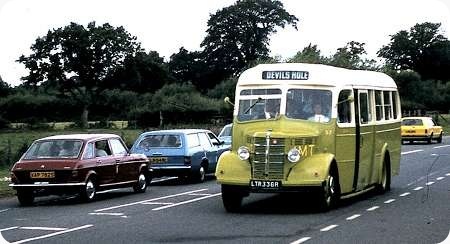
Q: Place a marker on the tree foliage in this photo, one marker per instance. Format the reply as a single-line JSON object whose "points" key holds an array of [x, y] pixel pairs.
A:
{"points": [[310, 54], [352, 56], [5, 89], [78, 60], [422, 49], [239, 34]]}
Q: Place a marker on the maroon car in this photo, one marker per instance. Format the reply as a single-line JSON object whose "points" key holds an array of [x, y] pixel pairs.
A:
{"points": [[83, 163]]}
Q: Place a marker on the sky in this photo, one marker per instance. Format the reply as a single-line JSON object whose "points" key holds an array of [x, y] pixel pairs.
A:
{"points": [[167, 25]]}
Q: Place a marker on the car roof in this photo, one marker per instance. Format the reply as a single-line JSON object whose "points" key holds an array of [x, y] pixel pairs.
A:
{"points": [[175, 131], [84, 137]]}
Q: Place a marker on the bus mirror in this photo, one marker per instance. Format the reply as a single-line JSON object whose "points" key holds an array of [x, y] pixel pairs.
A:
{"points": [[227, 100]]}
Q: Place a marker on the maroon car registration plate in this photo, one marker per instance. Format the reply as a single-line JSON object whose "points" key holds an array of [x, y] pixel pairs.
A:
{"points": [[42, 175]]}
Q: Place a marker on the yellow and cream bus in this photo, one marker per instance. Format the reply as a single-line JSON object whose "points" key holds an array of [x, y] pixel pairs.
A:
{"points": [[314, 128]]}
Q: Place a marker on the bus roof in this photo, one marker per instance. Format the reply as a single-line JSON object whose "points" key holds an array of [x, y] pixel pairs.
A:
{"points": [[313, 74]]}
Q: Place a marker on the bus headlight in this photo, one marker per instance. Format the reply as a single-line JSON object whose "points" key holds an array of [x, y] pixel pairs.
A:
{"points": [[243, 153], [293, 155]]}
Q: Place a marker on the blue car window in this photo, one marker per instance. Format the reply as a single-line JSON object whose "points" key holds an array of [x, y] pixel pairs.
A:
{"points": [[192, 140], [160, 140]]}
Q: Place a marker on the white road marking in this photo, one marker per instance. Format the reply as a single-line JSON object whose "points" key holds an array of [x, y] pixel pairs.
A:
{"points": [[414, 151], [442, 146], [200, 194], [429, 183], [53, 234], [353, 217], [301, 240], [105, 191], [42, 228], [373, 208], [418, 188], [390, 201], [328, 228], [149, 200], [440, 178], [110, 214], [157, 203], [186, 202], [448, 174], [405, 194], [4, 210], [164, 179], [10, 228]]}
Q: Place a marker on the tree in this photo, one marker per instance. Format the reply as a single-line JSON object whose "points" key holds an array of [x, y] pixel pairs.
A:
{"points": [[351, 56], [310, 54], [422, 49], [5, 89], [142, 73], [239, 34], [78, 60]]}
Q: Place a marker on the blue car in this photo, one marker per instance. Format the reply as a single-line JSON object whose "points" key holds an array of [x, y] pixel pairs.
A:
{"points": [[185, 153], [225, 134]]}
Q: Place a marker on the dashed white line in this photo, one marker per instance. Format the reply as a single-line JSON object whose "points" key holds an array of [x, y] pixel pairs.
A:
{"points": [[110, 214], [442, 146], [149, 200], [448, 174], [53, 234], [185, 202], [418, 188], [42, 228], [301, 240], [414, 151], [10, 228], [440, 178], [353, 217], [405, 194], [328, 228], [389, 201], [373, 208], [429, 183], [4, 210]]}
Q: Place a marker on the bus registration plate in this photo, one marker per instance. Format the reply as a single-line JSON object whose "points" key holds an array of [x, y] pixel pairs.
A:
{"points": [[265, 184]]}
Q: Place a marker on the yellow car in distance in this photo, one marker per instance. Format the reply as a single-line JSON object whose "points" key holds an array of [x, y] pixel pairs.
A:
{"points": [[420, 129]]}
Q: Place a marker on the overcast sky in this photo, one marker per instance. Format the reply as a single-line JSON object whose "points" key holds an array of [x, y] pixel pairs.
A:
{"points": [[166, 25]]}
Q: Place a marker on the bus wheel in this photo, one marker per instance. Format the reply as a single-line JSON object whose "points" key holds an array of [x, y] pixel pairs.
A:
{"points": [[385, 184], [231, 198], [330, 193]]}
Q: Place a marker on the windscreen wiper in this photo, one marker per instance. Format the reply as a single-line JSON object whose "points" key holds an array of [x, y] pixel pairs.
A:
{"points": [[249, 108]]}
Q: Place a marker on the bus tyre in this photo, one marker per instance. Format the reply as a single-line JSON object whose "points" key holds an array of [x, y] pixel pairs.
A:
{"points": [[330, 193], [141, 184], [88, 192], [25, 197], [231, 198], [385, 184]]}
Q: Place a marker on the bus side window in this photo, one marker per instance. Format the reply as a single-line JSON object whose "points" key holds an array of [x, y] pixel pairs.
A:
{"points": [[344, 107]]}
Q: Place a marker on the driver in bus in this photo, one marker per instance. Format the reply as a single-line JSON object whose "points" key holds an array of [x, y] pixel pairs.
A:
{"points": [[318, 114], [271, 109]]}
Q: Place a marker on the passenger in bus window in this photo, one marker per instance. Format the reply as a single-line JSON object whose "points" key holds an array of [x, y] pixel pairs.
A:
{"points": [[318, 114], [271, 109]]}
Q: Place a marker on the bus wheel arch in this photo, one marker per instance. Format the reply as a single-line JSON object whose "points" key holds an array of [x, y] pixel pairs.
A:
{"points": [[384, 183], [330, 193]]}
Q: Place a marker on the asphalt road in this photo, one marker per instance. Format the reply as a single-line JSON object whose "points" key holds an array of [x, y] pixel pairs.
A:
{"points": [[416, 210]]}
